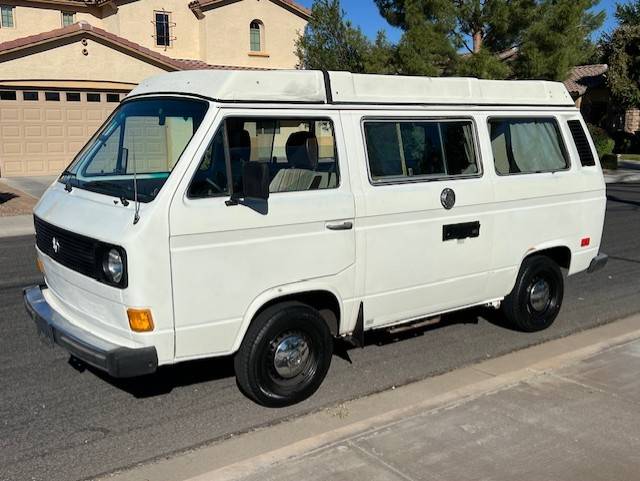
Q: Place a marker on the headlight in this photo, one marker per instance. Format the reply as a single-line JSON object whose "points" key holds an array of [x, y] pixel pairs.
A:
{"points": [[113, 266]]}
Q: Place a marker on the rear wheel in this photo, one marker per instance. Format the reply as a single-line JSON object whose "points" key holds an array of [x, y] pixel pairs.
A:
{"points": [[285, 355], [535, 301]]}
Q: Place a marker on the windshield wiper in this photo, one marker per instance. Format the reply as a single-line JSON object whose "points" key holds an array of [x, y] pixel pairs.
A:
{"points": [[70, 175]]}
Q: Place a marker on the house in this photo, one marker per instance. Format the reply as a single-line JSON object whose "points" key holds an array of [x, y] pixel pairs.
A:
{"points": [[65, 64], [587, 84]]}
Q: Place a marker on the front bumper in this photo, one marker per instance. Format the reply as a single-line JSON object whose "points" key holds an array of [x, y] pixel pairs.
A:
{"points": [[117, 361], [598, 263]]}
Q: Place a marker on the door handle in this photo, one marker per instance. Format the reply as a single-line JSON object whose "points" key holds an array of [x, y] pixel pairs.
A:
{"points": [[346, 225]]}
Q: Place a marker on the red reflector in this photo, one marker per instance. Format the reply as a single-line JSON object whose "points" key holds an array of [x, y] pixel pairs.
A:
{"points": [[585, 242]]}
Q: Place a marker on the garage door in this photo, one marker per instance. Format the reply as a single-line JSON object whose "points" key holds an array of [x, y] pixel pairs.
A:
{"points": [[41, 131]]}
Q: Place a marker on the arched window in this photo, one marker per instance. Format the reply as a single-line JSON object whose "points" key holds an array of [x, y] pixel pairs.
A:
{"points": [[256, 36]]}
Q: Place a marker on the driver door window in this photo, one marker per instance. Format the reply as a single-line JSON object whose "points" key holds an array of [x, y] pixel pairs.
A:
{"points": [[300, 153]]}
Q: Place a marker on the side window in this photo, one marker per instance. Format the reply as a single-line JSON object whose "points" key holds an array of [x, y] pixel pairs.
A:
{"points": [[301, 154], [527, 145], [416, 148]]}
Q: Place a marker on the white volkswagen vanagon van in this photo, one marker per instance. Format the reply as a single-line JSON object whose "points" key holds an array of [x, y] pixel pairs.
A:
{"points": [[262, 214]]}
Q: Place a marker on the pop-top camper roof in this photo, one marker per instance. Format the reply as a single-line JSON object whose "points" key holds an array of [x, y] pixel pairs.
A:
{"points": [[309, 86]]}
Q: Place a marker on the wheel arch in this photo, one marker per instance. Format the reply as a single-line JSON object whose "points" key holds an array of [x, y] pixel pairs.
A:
{"points": [[560, 254], [324, 299]]}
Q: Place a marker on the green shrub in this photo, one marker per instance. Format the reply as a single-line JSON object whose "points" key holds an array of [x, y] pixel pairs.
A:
{"points": [[604, 143], [609, 161]]}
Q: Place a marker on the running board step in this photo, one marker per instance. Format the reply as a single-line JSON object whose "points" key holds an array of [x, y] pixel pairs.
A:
{"points": [[414, 325]]}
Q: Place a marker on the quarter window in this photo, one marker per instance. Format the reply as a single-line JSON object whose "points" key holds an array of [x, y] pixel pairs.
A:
{"points": [[301, 154], [420, 148], [527, 146], [68, 18], [7, 17], [163, 29]]}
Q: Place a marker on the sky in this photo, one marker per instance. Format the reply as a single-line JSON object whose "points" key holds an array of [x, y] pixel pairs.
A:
{"points": [[364, 14]]}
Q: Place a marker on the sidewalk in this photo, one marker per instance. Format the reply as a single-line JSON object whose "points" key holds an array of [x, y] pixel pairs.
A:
{"points": [[564, 410], [628, 171]]}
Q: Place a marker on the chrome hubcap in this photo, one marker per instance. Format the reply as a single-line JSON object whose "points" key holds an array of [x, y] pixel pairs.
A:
{"points": [[540, 295], [291, 356]]}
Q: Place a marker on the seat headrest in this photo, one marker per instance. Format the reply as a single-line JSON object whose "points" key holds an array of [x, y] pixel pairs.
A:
{"points": [[302, 150], [239, 145]]}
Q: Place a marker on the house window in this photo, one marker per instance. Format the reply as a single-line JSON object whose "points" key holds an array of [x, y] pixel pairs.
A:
{"points": [[52, 96], [7, 16], [256, 33], [163, 29], [113, 98], [93, 97], [68, 18], [30, 96], [8, 95], [73, 96]]}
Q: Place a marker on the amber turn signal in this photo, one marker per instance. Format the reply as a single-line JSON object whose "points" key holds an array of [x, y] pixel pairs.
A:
{"points": [[140, 320], [40, 265]]}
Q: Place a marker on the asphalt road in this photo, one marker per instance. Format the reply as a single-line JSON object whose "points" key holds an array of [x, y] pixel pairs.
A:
{"points": [[59, 422]]}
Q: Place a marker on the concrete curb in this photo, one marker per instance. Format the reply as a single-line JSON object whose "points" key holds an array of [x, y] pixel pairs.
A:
{"points": [[455, 396], [248, 453]]}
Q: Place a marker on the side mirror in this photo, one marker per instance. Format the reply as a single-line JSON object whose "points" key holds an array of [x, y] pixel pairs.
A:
{"points": [[255, 180]]}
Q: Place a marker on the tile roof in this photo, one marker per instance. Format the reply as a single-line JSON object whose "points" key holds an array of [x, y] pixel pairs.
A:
{"points": [[305, 12], [84, 28], [584, 77]]}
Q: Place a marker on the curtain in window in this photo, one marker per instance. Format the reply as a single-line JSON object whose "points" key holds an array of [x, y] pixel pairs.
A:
{"points": [[535, 146]]}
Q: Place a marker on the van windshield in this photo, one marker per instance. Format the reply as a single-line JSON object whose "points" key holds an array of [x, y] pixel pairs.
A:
{"points": [[143, 139]]}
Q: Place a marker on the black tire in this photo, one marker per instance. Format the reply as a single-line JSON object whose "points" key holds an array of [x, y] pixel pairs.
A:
{"points": [[530, 307], [276, 384]]}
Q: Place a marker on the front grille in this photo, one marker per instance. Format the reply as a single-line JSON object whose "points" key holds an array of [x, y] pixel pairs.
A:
{"points": [[72, 250]]}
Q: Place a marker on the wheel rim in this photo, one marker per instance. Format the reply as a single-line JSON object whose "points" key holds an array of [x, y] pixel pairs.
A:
{"points": [[289, 364], [291, 355], [539, 295]]}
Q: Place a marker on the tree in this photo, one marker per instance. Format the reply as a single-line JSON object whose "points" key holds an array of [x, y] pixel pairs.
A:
{"points": [[331, 42], [557, 39], [628, 13], [382, 56], [621, 51], [482, 28]]}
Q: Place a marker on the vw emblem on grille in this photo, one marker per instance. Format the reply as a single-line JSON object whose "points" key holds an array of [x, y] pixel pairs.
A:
{"points": [[448, 198], [56, 245]]}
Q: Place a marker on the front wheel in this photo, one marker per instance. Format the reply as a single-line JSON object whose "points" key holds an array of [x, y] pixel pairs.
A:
{"points": [[534, 302], [285, 355]]}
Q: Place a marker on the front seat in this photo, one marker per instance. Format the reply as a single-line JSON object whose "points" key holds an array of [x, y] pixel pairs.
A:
{"points": [[302, 154]]}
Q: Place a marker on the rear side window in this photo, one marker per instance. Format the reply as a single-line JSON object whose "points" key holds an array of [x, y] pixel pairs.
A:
{"points": [[401, 150], [527, 145], [582, 143], [300, 153]]}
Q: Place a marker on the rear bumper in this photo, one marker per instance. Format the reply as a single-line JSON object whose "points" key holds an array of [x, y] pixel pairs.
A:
{"points": [[598, 262], [117, 361]]}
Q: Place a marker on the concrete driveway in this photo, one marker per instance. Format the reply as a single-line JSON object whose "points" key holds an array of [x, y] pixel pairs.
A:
{"points": [[34, 186]]}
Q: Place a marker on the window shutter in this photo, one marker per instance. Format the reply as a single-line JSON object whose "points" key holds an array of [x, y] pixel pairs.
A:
{"points": [[582, 143]]}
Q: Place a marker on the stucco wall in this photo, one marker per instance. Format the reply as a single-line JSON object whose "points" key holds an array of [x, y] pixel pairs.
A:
{"points": [[134, 22], [67, 62], [221, 38], [31, 20], [226, 34]]}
